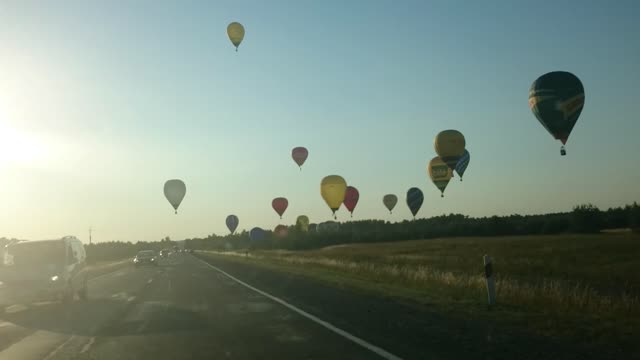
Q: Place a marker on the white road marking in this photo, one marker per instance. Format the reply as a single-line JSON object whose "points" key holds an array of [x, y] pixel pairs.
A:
{"points": [[150, 281], [377, 350], [87, 346], [53, 353], [130, 299], [6, 324], [16, 308]]}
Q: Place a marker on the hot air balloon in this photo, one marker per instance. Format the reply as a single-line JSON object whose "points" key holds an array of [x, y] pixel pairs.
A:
{"points": [[256, 234], [440, 173], [232, 223], [174, 191], [281, 230], [333, 189], [415, 198], [299, 155], [280, 205], [390, 202], [351, 199], [449, 145], [235, 31], [557, 99], [302, 223], [462, 164]]}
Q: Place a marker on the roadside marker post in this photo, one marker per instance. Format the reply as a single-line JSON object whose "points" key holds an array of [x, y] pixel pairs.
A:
{"points": [[491, 284]]}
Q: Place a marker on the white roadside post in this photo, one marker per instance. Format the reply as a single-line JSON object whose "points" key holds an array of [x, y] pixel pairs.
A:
{"points": [[491, 284]]}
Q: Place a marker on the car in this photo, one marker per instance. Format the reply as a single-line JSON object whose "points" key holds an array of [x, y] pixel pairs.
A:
{"points": [[145, 257], [43, 270], [164, 253]]}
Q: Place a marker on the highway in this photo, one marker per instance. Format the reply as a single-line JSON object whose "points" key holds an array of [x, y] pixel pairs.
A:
{"points": [[182, 309], [186, 308]]}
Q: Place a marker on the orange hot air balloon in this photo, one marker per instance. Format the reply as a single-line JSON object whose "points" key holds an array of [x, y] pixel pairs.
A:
{"points": [[280, 205]]}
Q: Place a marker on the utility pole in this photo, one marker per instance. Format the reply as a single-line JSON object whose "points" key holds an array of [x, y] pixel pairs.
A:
{"points": [[90, 230]]}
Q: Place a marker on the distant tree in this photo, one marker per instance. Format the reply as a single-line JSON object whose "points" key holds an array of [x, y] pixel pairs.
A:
{"points": [[586, 218], [634, 217]]}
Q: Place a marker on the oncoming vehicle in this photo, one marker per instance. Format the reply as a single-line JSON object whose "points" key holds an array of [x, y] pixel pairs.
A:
{"points": [[43, 270], [145, 257], [164, 253]]}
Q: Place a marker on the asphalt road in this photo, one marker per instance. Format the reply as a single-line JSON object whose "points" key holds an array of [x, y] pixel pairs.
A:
{"points": [[188, 309], [182, 309]]}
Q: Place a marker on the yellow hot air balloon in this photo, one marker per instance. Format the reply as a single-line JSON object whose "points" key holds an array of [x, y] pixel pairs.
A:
{"points": [[302, 223], [333, 189], [440, 173], [449, 145], [235, 31]]}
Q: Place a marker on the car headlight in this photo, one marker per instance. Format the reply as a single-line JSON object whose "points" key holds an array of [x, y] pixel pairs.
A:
{"points": [[54, 278], [153, 259], [135, 260]]}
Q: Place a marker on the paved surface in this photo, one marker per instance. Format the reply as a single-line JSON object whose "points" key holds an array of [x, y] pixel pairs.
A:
{"points": [[182, 309], [188, 309]]}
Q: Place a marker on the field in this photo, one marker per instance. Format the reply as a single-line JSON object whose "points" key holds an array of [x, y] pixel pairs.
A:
{"points": [[582, 286]]}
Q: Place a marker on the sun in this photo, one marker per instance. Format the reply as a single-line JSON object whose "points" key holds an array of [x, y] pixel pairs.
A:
{"points": [[20, 149]]}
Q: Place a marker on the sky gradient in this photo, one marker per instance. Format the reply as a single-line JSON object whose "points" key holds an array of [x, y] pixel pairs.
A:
{"points": [[102, 102]]}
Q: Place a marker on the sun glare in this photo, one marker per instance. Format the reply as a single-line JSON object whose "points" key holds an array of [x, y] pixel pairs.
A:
{"points": [[19, 148]]}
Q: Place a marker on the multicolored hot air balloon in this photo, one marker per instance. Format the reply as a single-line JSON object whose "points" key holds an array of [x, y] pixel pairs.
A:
{"points": [[557, 99], [281, 230], [280, 205], [235, 31], [462, 164], [256, 234], [390, 202], [439, 173], [299, 155], [415, 198], [351, 198], [174, 191], [333, 189], [302, 223], [449, 145], [232, 223]]}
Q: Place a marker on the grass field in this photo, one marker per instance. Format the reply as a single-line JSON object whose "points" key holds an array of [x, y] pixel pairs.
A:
{"points": [[580, 285]]}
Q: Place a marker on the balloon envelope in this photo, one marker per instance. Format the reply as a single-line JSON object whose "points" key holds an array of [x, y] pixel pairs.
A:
{"points": [[333, 189], [439, 173], [462, 164], [235, 31], [557, 99], [390, 201], [174, 191], [256, 234], [415, 198], [351, 198], [280, 205], [299, 155], [232, 223], [449, 145], [302, 222]]}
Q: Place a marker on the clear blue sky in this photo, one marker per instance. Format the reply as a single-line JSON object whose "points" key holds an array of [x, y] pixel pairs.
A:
{"points": [[101, 102]]}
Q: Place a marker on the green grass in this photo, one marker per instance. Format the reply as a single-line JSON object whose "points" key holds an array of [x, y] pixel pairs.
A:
{"points": [[580, 285]]}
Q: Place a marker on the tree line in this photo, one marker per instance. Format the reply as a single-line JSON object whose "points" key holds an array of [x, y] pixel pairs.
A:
{"points": [[585, 218], [582, 219]]}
